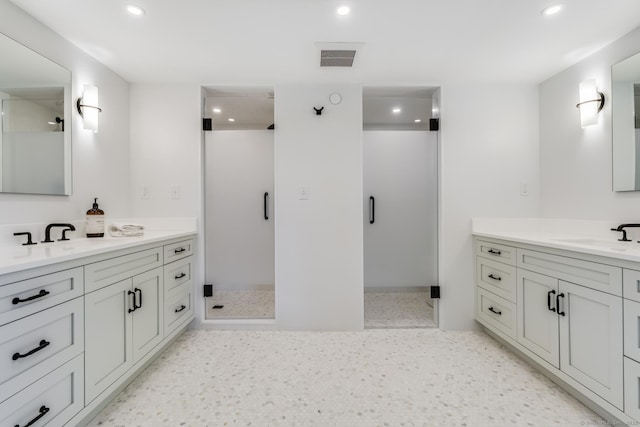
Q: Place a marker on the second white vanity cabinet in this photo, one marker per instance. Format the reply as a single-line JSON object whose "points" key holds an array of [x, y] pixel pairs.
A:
{"points": [[568, 314]]}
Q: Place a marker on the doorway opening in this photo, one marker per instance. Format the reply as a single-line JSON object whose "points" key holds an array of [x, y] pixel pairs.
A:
{"points": [[400, 181], [239, 209]]}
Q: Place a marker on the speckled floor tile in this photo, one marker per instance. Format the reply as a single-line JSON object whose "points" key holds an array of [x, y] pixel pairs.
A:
{"points": [[250, 304], [376, 377], [398, 310]]}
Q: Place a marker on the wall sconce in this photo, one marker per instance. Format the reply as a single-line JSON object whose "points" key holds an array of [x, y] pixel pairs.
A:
{"points": [[88, 107], [591, 103]]}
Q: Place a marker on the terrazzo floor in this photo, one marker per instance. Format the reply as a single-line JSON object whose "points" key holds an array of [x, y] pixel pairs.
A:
{"points": [[375, 377], [398, 310], [251, 304]]}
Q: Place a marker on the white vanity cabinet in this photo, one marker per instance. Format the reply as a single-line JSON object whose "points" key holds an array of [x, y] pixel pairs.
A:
{"points": [[568, 315]]}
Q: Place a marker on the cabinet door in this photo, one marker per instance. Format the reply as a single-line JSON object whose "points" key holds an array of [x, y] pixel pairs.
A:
{"points": [[108, 325], [148, 317], [591, 344], [537, 318]]}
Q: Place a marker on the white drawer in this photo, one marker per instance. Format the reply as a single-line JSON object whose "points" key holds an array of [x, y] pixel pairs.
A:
{"points": [[496, 251], [496, 313], [103, 273], [177, 274], [177, 310], [632, 388], [176, 251], [631, 284], [632, 329], [35, 345], [496, 277], [20, 299], [53, 400], [601, 277]]}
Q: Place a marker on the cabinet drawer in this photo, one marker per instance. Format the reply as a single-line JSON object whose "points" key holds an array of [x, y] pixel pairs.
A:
{"points": [[631, 284], [52, 400], [496, 277], [600, 277], [632, 388], [177, 309], [20, 299], [103, 273], [496, 313], [35, 345], [176, 251], [632, 329], [496, 251], [176, 274]]}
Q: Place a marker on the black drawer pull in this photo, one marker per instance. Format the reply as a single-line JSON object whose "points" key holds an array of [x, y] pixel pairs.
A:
{"points": [[43, 344], [491, 276], [43, 411], [180, 276], [493, 252], [179, 250], [40, 294], [560, 313], [493, 310], [182, 307], [551, 292], [135, 307]]}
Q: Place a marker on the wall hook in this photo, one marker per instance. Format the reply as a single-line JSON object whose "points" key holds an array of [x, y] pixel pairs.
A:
{"points": [[318, 111]]}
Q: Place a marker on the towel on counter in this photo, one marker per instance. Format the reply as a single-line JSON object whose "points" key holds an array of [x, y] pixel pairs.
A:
{"points": [[125, 229]]}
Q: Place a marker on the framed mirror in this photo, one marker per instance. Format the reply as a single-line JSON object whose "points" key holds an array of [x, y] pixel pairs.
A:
{"points": [[625, 117], [35, 126]]}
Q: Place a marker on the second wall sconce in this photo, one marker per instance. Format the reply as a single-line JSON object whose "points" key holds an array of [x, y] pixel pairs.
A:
{"points": [[591, 103], [88, 108]]}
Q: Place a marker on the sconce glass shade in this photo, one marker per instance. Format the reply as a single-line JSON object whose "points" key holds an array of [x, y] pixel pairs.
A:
{"points": [[88, 107], [591, 102]]}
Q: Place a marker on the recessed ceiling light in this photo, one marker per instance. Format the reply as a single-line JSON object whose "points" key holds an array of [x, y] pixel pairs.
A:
{"points": [[396, 110], [135, 10], [231, 119], [552, 10], [217, 110], [417, 121], [343, 10]]}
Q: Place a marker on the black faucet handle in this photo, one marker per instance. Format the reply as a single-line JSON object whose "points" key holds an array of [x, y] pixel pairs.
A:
{"points": [[28, 234], [64, 234], [624, 234]]}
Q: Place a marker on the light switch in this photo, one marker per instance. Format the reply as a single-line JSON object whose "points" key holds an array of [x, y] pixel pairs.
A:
{"points": [[144, 192], [303, 193], [174, 191], [524, 189]]}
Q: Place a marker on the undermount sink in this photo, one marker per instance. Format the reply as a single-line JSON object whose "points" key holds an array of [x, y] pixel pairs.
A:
{"points": [[615, 246]]}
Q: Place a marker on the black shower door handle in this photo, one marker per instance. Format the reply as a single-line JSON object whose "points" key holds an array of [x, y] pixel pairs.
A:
{"points": [[372, 209], [266, 206]]}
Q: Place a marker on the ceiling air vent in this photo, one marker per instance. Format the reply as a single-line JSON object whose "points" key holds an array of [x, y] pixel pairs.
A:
{"points": [[337, 58]]}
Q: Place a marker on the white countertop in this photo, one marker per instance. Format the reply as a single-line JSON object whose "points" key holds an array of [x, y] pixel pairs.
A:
{"points": [[16, 257], [589, 237]]}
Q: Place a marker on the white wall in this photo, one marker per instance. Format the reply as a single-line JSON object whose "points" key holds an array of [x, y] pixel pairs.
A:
{"points": [[100, 161], [488, 143], [576, 163], [319, 255]]}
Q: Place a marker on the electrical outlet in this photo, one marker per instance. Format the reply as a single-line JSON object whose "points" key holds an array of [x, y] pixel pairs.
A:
{"points": [[174, 191], [303, 193], [524, 189], [144, 192]]}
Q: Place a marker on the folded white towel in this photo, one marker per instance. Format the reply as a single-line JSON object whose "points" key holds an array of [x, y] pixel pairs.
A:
{"points": [[125, 229]]}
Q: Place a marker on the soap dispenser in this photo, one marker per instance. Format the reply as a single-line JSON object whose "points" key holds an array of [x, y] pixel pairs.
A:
{"points": [[95, 221]]}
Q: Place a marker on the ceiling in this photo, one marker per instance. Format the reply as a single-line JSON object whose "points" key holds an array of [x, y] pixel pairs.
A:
{"points": [[268, 42]]}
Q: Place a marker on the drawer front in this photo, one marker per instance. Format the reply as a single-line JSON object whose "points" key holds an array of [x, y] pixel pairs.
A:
{"points": [[35, 345], [496, 277], [52, 400], [177, 310], [20, 299], [632, 388], [177, 274], [601, 277], [103, 273], [632, 329], [496, 251], [176, 251], [631, 284], [496, 313]]}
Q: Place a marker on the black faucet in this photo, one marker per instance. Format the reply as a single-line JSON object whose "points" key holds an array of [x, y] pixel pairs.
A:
{"points": [[47, 232], [622, 227]]}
